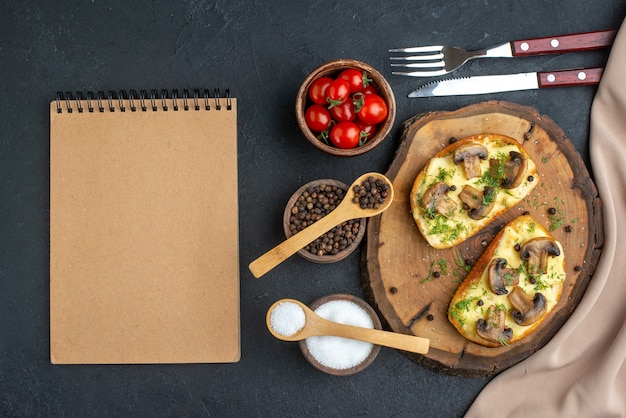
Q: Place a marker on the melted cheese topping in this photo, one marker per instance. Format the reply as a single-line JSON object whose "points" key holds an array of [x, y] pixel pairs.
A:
{"points": [[442, 232], [465, 309]]}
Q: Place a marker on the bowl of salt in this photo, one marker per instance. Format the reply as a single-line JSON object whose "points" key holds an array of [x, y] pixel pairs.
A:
{"points": [[341, 356]]}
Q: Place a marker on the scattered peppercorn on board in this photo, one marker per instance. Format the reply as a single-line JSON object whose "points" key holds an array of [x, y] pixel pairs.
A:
{"points": [[411, 283]]}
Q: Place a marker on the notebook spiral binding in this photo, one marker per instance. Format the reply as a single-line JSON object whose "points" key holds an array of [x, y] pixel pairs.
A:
{"points": [[144, 102]]}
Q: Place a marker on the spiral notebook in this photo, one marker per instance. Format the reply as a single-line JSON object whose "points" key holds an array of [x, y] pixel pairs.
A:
{"points": [[144, 228]]}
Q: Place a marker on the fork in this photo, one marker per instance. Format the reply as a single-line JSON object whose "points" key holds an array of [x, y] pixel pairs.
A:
{"points": [[436, 60]]}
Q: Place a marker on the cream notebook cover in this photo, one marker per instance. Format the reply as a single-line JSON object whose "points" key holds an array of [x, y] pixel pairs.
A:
{"points": [[144, 229]]}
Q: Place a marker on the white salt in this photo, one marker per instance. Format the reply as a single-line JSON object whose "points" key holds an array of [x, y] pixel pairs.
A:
{"points": [[287, 318], [337, 352]]}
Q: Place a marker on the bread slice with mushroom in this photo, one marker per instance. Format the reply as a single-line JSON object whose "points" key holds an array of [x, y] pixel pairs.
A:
{"points": [[467, 185], [503, 298]]}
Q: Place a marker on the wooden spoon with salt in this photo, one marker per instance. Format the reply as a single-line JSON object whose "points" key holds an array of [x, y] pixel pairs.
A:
{"points": [[345, 211], [314, 325]]}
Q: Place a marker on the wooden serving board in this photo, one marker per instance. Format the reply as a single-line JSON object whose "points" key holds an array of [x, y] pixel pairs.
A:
{"points": [[398, 263]]}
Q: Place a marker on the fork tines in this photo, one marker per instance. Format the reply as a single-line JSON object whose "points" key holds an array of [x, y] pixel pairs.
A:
{"points": [[418, 49], [430, 57]]}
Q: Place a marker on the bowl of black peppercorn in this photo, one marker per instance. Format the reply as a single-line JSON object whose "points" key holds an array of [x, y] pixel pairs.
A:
{"points": [[310, 203]]}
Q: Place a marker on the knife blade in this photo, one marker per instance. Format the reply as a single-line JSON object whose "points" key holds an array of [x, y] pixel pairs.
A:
{"points": [[485, 84]]}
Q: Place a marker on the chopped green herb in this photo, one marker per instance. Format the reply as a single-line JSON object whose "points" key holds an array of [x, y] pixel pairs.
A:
{"points": [[432, 274], [557, 219], [494, 176], [540, 284], [555, 222], [430, 277], [443, 265], [462, 306], [444, 174], [430, 213], [450, 231], [509, 278], [503, 342], [458, 260], [457, 315], [488, 198]]}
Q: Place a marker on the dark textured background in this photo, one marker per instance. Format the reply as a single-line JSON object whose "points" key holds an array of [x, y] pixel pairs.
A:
{"points": [[262, 50]]}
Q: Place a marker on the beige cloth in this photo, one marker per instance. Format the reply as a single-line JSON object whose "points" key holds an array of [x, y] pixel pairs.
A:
{"points": [[581, 372]]}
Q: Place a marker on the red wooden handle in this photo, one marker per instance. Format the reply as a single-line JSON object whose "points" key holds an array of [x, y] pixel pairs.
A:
{"points": [[581, 77], [566, 43]]}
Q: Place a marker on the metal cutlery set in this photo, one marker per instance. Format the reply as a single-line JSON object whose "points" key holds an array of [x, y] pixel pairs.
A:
{"points": [[434, 61]]}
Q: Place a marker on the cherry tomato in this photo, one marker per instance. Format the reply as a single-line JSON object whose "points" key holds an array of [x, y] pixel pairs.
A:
{"points": [[344, 112], [318, 89], [338, 92], [317, 118], [369, 89], [367, 130], [345, 135], [374, 109], [356, 78]]}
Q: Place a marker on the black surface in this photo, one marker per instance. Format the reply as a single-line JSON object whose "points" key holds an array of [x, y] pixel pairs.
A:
{"points": [[262, 50]]}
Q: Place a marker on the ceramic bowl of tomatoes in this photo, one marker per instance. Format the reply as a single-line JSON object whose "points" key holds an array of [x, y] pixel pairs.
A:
{"points": [[345, 108]]}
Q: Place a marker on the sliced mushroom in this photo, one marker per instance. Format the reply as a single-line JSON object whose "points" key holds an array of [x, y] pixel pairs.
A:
{"points": [[487, 203], [471, 197], [478, 203], [536, 251], [436, 200], [514, 170], [470, 155], [493, 328], [527, 311], [501, 276]]}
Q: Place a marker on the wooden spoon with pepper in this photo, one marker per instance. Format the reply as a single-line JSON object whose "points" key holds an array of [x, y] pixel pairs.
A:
{"points": [[345, 211]]}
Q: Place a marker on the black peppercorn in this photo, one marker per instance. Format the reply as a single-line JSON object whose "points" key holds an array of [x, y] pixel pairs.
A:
{"points": [[568, 228], [371, 193], [315, 203], [430, 317], [552, 211]]}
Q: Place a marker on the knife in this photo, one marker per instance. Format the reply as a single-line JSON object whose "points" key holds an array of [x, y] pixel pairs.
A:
{"points": [[509, 82]]}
